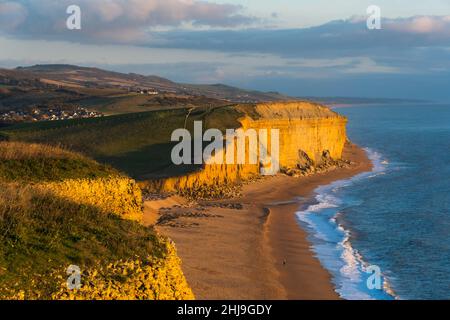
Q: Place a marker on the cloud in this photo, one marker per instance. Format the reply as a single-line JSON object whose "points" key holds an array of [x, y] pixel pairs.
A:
{"points": [[337, 38], [181, 24], [198, 41], [432, 25], [12, 15], [345, 47], [114, 21]]}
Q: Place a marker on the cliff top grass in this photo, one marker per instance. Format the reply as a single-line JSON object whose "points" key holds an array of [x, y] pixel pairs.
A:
{"points": [[41, 234], [139, 143], [43, 230], [288, 110], [42, 163]]}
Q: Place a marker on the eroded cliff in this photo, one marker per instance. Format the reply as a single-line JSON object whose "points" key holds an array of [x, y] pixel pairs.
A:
{"points": [[59, 209], [309, 134]]}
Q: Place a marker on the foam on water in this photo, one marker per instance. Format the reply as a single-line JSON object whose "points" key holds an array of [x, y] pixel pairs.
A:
{"points": [[331, 241]]}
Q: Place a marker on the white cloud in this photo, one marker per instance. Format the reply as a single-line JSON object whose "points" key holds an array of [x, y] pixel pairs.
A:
{"points": [[367, 65], [114, 20], [421, 25]]}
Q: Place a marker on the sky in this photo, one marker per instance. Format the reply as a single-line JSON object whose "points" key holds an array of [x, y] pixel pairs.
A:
{"points": [[296, 47]]}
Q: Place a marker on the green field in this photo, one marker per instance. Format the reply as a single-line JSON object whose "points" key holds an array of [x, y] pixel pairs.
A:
{"points": [[138, 143], [116, 104]]}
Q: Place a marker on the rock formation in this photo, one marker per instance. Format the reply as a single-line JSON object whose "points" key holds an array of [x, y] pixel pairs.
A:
{"points": [[311, 136]]}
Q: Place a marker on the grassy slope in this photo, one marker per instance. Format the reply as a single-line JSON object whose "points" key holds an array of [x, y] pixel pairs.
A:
{"points": [[116, 104], [41, 235], [39, 163], [137, 143]]}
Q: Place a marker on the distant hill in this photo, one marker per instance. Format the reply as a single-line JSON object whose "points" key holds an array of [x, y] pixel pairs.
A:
{"points": [[357, 100], [76, 77], [71, 75]]}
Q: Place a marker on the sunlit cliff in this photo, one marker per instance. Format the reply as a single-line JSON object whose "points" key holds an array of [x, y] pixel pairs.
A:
{"points": [[308, 134]]}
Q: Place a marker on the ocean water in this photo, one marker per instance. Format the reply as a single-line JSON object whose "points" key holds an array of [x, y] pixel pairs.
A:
{"points": [[396, 218]]}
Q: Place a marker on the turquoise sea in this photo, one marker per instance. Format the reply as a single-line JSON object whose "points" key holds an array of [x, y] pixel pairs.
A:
{"points": [[396, 218]]}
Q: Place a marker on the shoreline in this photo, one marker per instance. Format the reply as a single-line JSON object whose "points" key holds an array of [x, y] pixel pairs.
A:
{"points": [[253, 247], [302, 275]]}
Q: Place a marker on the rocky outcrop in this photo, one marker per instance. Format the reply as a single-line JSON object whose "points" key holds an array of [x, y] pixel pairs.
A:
{"points": [[305, 128]]}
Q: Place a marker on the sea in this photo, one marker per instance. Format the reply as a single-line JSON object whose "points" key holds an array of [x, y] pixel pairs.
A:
{"points": [[385, 234]]}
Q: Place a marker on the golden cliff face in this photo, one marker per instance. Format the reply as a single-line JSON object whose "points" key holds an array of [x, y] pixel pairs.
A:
{"points": [[305, 129]]}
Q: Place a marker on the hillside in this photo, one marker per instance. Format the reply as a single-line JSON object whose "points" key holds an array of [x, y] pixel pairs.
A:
{"points": [[50, 86], [76, 76], [137, 143], [58, 208]]}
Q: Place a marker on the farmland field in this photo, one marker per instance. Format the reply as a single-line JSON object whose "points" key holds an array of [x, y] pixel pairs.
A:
{"points": [[136, 143]]}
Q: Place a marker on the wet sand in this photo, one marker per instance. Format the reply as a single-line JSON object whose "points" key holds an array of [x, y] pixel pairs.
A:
{"points": [[258, 251]]}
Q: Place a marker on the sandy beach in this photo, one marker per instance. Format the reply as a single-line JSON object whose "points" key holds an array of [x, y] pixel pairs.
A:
{"points": [[252, 247]]}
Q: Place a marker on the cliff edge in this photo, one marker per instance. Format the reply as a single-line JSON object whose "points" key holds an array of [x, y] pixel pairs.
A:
{"points": [[60, 209], [311, 137]]}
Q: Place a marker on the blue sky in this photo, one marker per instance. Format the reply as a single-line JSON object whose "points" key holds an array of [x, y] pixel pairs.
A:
{"points": [[298, 47]]}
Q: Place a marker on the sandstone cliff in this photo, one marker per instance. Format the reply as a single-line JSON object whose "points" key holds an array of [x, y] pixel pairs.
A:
{"points": [[308, 134], [59, 208], [304, 128]]}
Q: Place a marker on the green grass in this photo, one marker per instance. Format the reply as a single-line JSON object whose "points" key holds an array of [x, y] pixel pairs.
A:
{"points": [[22, 162], [138, 144], [117, 104], [42, 234], [52, 170]]}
